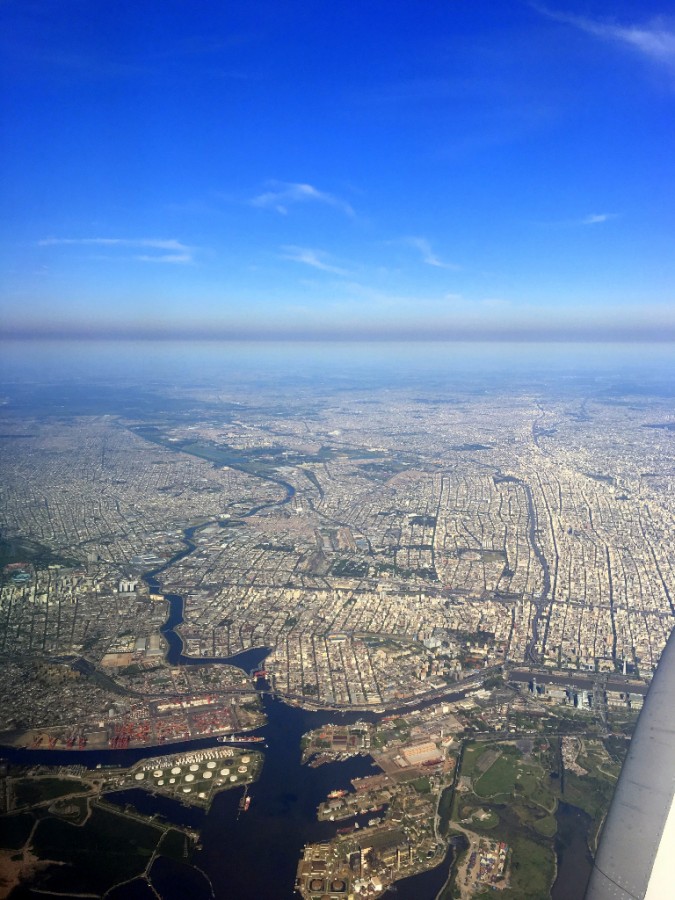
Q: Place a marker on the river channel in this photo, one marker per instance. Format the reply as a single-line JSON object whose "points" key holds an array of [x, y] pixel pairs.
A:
{"points": [[255, 854]]}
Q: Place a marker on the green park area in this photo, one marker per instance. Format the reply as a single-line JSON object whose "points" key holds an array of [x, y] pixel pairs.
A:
{"points": [[509, 791], [111, 849], [593, 791], [84, 844], [514, 780], [33, 791]]}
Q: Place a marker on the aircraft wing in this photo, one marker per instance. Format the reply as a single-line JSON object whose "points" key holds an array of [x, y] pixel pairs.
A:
{"points": [[636, 854]]}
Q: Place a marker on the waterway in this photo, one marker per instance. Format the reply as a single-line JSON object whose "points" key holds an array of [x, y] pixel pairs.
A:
{"points": [[574, 858], [254, 854], [246, 659]]}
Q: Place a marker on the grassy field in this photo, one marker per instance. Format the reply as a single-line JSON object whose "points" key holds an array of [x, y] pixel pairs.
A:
{"points": [[23, 550], [599, 762], [512, 775], [421, 785], [500, 779], [472, 753], [514, 800], [547, 826], [109, 850], [30, 791], [518, 785], [532, 869]]}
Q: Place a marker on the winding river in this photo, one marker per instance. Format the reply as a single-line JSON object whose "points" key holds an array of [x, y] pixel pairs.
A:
{"points": [[253, 855]]}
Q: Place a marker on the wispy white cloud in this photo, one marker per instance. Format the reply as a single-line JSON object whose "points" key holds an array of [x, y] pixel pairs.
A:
{"points": [[176, 251], [317, 259], [170, 258], [590, 219], [597, 218], [655, 39], [121, 242], [428, 255], [282, 194]]}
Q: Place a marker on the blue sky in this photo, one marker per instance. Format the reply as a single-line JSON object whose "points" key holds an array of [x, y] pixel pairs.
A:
{"points": [[460, 168]]}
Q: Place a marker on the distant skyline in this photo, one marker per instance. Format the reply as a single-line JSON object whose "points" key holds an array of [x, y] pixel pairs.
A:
{"points": [[468, 170]]}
